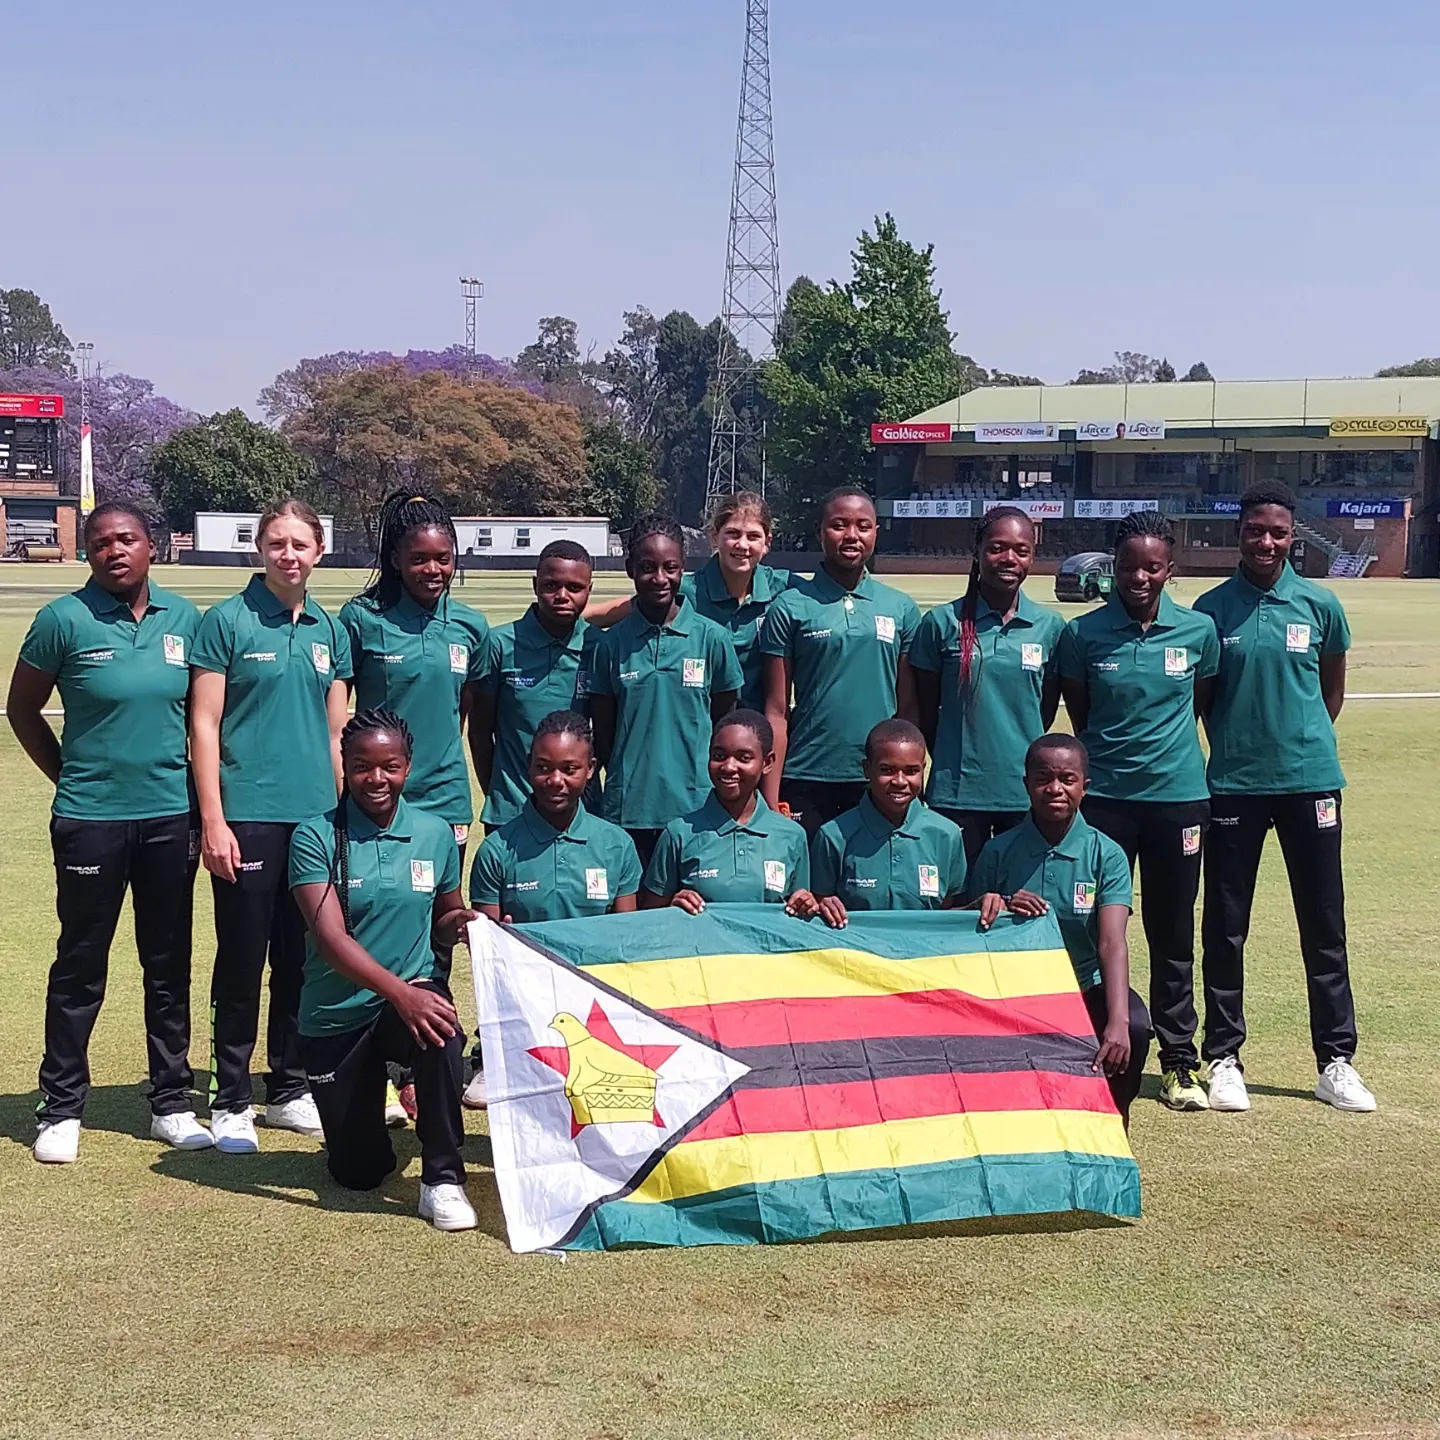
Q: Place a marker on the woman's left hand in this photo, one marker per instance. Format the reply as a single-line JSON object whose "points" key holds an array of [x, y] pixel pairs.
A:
{"points": [[802, 905], [1114, 1053], [690, 901], [450, 928]]}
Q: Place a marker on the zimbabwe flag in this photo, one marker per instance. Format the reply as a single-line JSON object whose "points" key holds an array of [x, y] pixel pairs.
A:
{"points": [[740, 1076]]}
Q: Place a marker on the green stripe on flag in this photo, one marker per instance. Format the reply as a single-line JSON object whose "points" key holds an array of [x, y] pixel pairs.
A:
{"points": [[872, 1200]]}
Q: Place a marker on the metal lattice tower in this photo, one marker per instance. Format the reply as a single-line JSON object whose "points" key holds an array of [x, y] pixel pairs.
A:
{"points": [[472, 290], [751, 311]]}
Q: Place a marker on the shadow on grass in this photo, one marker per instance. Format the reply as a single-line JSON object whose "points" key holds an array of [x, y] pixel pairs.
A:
{"points": [[121, 1109], [1150, 1090]]}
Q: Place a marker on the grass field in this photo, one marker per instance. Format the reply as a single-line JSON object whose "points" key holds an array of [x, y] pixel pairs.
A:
{"points": [[1285, 1279]]}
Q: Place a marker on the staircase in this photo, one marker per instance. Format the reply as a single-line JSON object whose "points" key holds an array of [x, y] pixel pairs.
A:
{"points": [[1315, 530]]}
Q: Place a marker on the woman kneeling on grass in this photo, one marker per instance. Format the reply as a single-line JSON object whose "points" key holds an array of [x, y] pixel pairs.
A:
{"points": [[378, 883], [1054, 860], [734, 849]]}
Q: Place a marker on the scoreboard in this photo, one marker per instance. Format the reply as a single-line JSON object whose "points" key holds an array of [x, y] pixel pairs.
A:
{"points": [[30, 437]]}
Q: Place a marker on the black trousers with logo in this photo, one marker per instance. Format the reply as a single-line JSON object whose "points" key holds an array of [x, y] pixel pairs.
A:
{"points": [[1154, 833], [813, 803], [95, 860], [979, 827], [1125, 1086], [255, 917], [1310, 830], [347, 1075]]}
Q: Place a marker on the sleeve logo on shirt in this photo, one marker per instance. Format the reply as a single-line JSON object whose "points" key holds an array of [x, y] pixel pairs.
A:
{"points": [[459, 659], [693, 674], [582, 684], [462, 833], [1084, 897], [1190, 840], [1297, 638], [597, 885], [422, 875], [1032, 657], [929, 881], [775, 875], [1177, 660], [1327, 813], [321, 656], [174, 649], [885, 629]]}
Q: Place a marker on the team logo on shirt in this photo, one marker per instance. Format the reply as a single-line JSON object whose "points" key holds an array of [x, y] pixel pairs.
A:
{"points": [[459, 658], [929, 880], [1297, 638], [1177, 660], [775, 875], [1327, 813], [1190, 840], [462, 833], [693, 674], [321, 656], [597, 885], [582, 684], [422, 875], [885, 629], [1084, 897], [174, 649], [1032, 657]]}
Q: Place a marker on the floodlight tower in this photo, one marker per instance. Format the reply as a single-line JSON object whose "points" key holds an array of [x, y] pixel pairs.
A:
{"points": [[472, 290], [751, 309]]}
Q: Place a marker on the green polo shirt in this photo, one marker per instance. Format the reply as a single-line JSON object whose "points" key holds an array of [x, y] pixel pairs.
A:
{"points": [[531, 673], [395, 875], [533, 871], [844, 648], [123, 684], [274, 733], [415, 662], [705, 588], [662, 678], [874, 865], [1141, 733], [1081, 875], [1270, 733], [729, 863], [983, 734]]}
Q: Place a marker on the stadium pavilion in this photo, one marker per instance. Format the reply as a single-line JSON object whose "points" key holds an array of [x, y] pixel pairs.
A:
{"points": [[1360, 455]]}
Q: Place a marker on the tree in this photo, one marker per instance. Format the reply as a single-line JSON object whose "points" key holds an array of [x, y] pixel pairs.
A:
{"points": [[29, 335], [875, 348], [1199, 371], [1415, 367], [224, 462], [631, 379], [554, 357], [686, 356], [1005, 378], [480, 447], [1130, 367], [1164, 373], [623, 483]]}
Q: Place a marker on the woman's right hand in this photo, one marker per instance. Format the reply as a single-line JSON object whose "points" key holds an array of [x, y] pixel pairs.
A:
{"points": [[1028, 905], [690, 901], [428, 1015], [220, 850], [991, 908], [833, 913]]}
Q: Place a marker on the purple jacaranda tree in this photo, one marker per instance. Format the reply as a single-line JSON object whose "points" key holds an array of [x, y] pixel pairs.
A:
{"points": [[127, 420]]}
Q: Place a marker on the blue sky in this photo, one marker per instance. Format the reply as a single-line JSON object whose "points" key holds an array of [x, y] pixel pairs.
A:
{"points": [[215, 191]]}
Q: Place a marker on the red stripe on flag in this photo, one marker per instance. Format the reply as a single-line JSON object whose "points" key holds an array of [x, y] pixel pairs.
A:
{"points": [[868, 1017], [904, 1097]]}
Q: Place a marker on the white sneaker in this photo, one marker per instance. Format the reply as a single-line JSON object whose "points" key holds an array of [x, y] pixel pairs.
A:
{"points": [[299, 1115], [1340, 1085], [447, 1208], [233, 1131], [1227, 1085], [396, 1116], [474, 1097], [182, 1130], [58, 1142]]}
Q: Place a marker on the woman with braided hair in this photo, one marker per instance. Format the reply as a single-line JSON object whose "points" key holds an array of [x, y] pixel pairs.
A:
{"points": [[987, 683], [378, 883], [1135, 673]]}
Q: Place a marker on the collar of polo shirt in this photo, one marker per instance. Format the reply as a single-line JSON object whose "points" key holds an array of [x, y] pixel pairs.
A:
{"points": [[831, 590], [880, 827], [544, 831], [270, 604], [1279, 592], [1071, 845], [679, 624], [575, 640], [720, 819], [362, 827], [1120, 617], [102, 602], [713, 579], [1026, 610], [407, 605]]}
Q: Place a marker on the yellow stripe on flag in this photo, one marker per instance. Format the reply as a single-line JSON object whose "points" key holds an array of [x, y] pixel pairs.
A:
{"points": [[835, 973], [709, 1165]]}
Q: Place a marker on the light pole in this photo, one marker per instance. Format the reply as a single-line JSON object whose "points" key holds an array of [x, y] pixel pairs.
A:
{"points": [[472, 290]]}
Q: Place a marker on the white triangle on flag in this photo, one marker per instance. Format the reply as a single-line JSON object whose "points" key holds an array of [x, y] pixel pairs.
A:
{"points": [[556, 1155]]}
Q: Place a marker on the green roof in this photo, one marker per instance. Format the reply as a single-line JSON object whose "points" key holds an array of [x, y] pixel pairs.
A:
{"points": [[1194, 404]]}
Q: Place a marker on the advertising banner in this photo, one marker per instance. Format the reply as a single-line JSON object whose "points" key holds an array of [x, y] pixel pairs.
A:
{"points": [[926, 434], [87, 472], [1020, 432], [1223, 507], [33, 407], [1111, 509], [1035, 509], [932, 509], [1120, 430], [1369, 509], [1415, 426]]}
